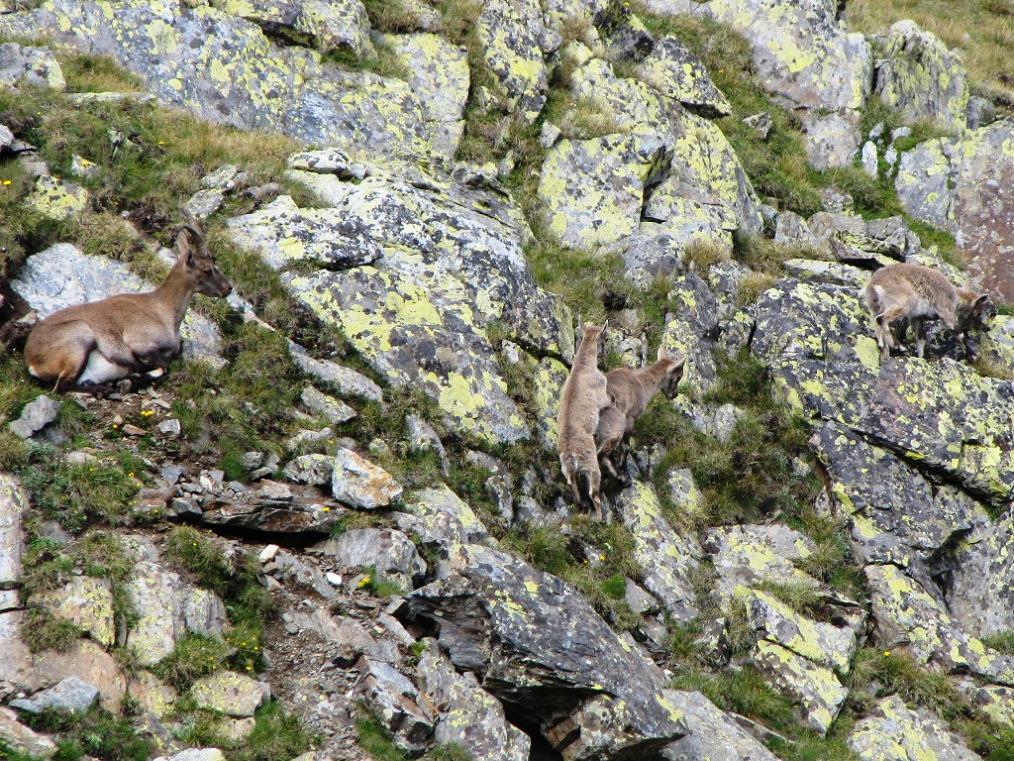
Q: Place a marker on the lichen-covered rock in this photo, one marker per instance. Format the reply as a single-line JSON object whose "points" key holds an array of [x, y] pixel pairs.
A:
{"points": [[313, 469], [61, 276], [56, 199], [668, 559], [966, 185], [982, 580], [677, 73], [453, 262], [438, 73], [391, 553], [226, 70], [690, 325], [71, 694], [13, 506], [34, 67], [327, 24], [538, 647], [832, 140], [816, 688], [895, 732], [439, 517], [359, 483], [152, 695], [906, 611], [922, 78], [331, 409], [801, 52], [823, 643], [229, 693], [285, 235], [713, 736], [895, 513], [396, 703], [826, 363], [167, 607], [511, 34], [22, 738], [470, 717], [86, 602], [606, 205], [744, 556], [345, 381]]}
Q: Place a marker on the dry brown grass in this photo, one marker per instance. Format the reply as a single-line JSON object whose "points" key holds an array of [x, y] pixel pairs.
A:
{"points": [[981, 30]]}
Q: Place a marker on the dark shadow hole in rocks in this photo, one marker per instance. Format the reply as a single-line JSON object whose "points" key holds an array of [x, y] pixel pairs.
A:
{"points": [[541, 749], [289, 540]]}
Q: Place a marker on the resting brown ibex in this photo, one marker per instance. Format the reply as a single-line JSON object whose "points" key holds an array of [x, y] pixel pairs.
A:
{"points": [[104, 341], [584, 395], [629, 393]]}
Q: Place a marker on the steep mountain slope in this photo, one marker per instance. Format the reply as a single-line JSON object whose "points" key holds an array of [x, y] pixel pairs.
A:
{"points": [[337, 526]]}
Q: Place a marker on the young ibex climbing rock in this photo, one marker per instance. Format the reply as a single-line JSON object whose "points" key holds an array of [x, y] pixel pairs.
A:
{"points": [[584, 396], [629, 393], [104, 341], [900, 294]]}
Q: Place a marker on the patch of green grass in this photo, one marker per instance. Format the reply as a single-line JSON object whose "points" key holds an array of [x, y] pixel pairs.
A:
{"points": [[767, 257], [193, 550], [701, 256], [377, 585], [77, 495], [276, 735], [1002, 642], [195, 656], [392, 16], [581, 278], [9, 753], [43, 631], [96, 733], [945, 244], [85, 72]]}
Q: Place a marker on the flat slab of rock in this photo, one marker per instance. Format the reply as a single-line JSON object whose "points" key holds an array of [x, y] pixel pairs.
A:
{"points": [[713, 735], [536, 644], [13, 505], [22, 738], [70, 694], [85, 601], [61, 276], [230, 693], [35, 416], [390, 552], [359, 483], [195, 754], [894, 732]]}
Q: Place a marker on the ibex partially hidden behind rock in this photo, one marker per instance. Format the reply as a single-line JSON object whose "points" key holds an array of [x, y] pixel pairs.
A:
{"points": [[911, 293], [104, 341], [584, 396], [629, 393]]}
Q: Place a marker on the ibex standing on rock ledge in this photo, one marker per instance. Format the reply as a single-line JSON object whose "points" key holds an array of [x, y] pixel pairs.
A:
{"points": [[101, 342], [629, 392], [584, 396], [902, 293]]}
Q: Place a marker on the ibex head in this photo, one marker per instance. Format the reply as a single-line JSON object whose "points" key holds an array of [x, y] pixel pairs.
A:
{"points": [[198, 265], [673, 364]]}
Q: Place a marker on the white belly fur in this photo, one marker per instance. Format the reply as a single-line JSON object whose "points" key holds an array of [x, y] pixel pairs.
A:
{"points": [[101, 370]]}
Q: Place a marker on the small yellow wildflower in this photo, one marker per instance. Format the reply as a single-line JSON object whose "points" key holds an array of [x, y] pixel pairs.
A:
{"points": [[887, 653], [147, 413], [364, 581], [325, 509], [7, 182]]}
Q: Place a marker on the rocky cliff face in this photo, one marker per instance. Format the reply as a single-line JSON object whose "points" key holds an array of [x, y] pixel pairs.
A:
{"points": [[337, 529]]}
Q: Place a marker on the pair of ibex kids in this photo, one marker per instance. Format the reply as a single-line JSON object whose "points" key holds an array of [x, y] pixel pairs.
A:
{"points": [[96, 344], [598, 409]]}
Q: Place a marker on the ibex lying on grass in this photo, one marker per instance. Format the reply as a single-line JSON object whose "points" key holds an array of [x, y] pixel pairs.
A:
{"points": [[629, 393], [911, 293], [104, 341], [584, 396]]}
